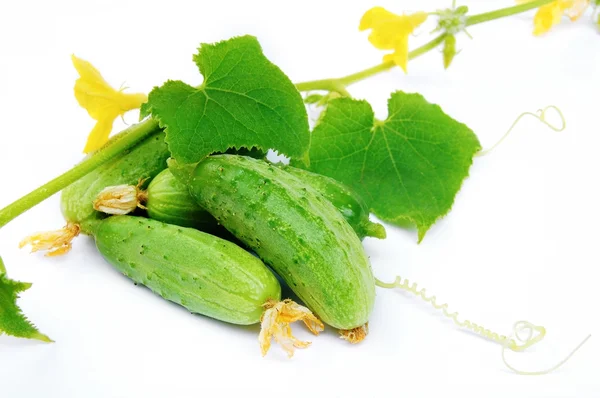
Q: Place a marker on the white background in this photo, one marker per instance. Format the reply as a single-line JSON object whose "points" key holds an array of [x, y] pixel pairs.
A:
{"points": [[520, 243]]}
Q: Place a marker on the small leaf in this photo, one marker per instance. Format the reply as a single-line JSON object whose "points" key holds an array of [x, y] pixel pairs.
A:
{"points": [[408, 167], [12, 320], [245, 101]]}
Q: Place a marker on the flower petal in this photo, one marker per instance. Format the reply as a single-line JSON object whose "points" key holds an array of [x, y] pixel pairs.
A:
{"points": [[400, 56], [99, 134], [374, 16], [275, 324], [120, 199], [546, 17], [87, 72], [56, 243]]}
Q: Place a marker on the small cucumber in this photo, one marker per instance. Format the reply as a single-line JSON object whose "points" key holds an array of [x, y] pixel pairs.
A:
{"points": [[348, 202], [295, 230], [145, 160], [205, 274], [169, 200]]}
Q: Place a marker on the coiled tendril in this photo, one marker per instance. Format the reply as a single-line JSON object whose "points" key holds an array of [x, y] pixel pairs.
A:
{"points": [[540, 115], [524, 334]]}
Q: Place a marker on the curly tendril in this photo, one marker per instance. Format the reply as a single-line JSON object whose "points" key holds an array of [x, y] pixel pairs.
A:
{"points": [[525, 327], [524, 335], [405, 284], [540, 115]]}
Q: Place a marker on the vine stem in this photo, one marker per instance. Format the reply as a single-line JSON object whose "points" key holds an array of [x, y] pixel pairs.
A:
{"points": [[130, 137], [334, 84], [506, 12]]}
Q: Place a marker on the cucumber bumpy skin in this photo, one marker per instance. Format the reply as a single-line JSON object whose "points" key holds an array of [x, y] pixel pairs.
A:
{"points": [[295, 230], [169, 200], [145, 160], [205, 274], [352, 207]]}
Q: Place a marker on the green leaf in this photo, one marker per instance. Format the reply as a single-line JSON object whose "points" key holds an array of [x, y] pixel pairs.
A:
{"points": [[12, 320], [245, 101], [408, 167]]}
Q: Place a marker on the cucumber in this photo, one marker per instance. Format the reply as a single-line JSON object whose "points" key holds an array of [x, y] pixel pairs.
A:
{"points": [[145, 160], [295, 230], [203, 273], [169, 200], [348, 202]]}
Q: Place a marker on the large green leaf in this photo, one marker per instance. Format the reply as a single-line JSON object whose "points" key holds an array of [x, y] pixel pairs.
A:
{"points": [[407, 167], [245, 101]]}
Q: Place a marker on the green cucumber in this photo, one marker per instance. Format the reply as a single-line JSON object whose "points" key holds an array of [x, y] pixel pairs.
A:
{"points": [[145, 160], [169, 200], [203, 273], [348, 202], [295, 230]]}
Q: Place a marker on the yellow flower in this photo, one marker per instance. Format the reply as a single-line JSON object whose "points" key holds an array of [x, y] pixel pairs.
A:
{"points": [[103, 103], [390, 32], [551, 14]]}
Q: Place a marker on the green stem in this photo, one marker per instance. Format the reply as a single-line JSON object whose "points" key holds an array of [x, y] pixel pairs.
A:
{"points": [[2, 268], [506, 12], [129, 138], [325, 84], [334, 84], [350, 79]]}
